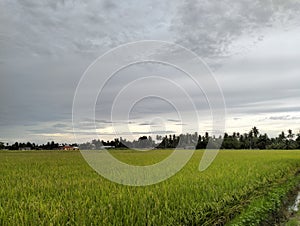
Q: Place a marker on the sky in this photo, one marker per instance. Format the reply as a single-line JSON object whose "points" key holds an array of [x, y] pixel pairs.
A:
{"points": [[251, 47]]}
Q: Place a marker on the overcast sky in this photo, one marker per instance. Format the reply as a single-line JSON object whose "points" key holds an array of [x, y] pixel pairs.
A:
{"points": [[251, 46]]}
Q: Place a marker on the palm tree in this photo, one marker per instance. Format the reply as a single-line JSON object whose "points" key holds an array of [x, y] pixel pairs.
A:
{"points": [[290, 134], [255, 131]]}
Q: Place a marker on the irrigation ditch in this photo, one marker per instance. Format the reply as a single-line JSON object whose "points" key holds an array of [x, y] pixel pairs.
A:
{"points": [[288, 214]]}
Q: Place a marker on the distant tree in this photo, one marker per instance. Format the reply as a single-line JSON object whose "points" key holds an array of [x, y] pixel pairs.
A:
{"points": [[226, 141], [15, 146], [250, 139], [205, 139], [143, 138], [281, 136], [263, 141], [280, 141], [54, 146], [231, 142], [142, 142], [117, 143], [298, 140], [29, 145], [290, 142], [253, 138], [163, 143], [159, 137], [2, 145], [151, 142], [290, 134], [235, 141], [199, 143], [255, 131]]}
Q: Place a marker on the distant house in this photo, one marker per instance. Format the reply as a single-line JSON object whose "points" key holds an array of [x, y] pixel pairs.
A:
{"points": [[68, 148]]}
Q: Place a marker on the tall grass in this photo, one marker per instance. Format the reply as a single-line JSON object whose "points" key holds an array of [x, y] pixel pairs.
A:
{"points": [[59, 188]]}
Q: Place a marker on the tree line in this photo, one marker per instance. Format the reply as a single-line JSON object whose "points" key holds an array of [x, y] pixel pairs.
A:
{"points": [[251, 140], [32, 146]]}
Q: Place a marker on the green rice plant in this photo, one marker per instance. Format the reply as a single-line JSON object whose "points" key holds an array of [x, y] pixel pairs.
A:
{"points": [[59, 188]]}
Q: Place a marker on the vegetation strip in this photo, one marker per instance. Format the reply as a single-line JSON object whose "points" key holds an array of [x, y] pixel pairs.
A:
{"points": [[251, 140], [268, 208]]}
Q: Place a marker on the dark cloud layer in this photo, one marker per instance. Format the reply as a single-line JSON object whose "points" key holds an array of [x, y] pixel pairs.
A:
{"points": [[47, 45]]}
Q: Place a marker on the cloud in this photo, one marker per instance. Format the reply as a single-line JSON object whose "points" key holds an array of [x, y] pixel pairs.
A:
{"points": [[69, 27], [159, 132], [59, 28], [145, 124], [60, 125], [285, 117], [210, 27], [47, 45], [174, 120]]}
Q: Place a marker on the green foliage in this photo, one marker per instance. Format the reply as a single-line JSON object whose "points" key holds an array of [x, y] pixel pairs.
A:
{"points": [[262, 207], [59, 188]]}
